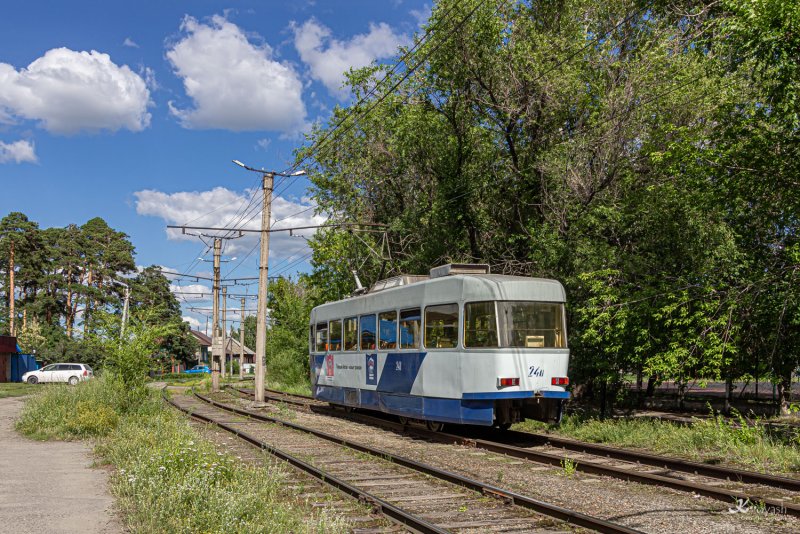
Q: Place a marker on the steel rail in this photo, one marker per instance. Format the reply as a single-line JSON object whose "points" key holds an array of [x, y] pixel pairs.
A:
{"points": [[721, 494], [667, 462], [655, 460], [510, 497], [394, 513]]}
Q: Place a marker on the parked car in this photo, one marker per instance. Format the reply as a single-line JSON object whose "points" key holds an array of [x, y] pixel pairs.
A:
{"points": [[198, 369], [71, 373]]}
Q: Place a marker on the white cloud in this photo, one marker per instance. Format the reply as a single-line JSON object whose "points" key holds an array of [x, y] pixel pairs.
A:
{"points": [[233, 83], [19, 152], [69, 91], [191, 292], [130, 43], [329, 59], [263, 144], [197, 206], [194, 324]]}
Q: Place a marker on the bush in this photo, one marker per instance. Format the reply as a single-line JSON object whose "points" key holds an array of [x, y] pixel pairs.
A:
{"points": [[91, 408]]}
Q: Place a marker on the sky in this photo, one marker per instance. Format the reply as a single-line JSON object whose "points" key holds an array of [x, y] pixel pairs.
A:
{"points": [[134, 111]]}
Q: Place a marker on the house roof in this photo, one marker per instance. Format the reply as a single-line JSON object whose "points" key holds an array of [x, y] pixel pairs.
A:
{"points": [[232, 347], [8, 344], [203, 339]]}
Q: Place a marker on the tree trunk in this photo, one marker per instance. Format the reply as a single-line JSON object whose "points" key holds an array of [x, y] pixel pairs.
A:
{"points": [[651, 386], [728, 393], [603, 396], [785, 392], [88, 306], [11, 290]]}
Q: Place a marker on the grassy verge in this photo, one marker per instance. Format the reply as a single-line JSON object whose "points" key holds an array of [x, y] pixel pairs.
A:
{"points": [[713, 440], [299, 388], [13, 389], [166, 477]]}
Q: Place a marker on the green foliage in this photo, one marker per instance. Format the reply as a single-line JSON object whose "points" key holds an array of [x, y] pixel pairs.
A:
{"points": [[130, 356], [647, 158], [90, 409], [290, 303]]}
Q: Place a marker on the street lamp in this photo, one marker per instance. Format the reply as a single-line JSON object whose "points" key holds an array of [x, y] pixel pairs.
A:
{"points": [[263, 274]]}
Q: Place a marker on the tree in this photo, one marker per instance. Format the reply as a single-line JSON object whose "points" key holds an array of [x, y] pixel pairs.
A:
{"points": [[17, 239]]}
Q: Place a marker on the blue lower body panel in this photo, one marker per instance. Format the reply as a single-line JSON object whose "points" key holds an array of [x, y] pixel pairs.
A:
{"points": [[459, 411]]}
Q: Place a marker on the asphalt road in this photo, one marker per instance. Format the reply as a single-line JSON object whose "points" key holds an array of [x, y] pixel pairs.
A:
{"points": [[49, 487]]}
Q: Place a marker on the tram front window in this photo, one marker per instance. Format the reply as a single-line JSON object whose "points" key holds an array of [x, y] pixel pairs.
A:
{"points": [[532, 324]]}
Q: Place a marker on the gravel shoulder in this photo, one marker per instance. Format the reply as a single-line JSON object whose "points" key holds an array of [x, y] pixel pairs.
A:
{"points": [[50, 487]]}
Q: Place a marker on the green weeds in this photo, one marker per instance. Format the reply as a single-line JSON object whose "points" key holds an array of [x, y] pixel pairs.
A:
{"points": [[717, 439], [166, 477]]}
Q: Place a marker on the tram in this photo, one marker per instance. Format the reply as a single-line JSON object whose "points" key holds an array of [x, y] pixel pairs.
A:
{"points": [[459, 345]]}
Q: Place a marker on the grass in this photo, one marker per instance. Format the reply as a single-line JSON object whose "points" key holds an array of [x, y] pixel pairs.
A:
{"points": [[297, 388], [14, 389], [713, 440], [166, 477]]}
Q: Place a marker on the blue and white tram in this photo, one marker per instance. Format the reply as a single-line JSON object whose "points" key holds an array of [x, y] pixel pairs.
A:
{"points": [[459, 346]]}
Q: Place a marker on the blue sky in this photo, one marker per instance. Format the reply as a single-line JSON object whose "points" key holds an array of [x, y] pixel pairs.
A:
{"points": [[133, 111]]}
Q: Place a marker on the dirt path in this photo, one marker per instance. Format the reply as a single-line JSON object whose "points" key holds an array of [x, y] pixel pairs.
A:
{"points": [[49, 487]]}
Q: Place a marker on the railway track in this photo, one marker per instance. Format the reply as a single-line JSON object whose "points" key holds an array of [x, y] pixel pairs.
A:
{"points": [[420, 497], [775, 493]]}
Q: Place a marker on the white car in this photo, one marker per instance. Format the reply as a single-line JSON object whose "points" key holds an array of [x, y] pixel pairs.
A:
{"points": [[72, 373]]}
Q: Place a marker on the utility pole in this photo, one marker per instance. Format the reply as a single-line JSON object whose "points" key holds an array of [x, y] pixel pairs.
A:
{"points": [[263, 280], [125, 311], [241, 342], [215, 343], [263, 275], [224, 329]]}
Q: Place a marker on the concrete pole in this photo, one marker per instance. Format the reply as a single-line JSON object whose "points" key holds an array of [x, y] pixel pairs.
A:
{"points": [[241, 342], [224, 330], [263, 280], [215, 319], [125, 307]]}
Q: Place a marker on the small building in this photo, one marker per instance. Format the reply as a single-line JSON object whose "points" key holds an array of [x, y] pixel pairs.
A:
{"points": [[233, 350], [205, 347], [13, 364], [8, 348]]}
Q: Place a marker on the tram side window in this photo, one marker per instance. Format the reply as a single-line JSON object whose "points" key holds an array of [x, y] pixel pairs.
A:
{"points": [[351, 333], [335, 335], [410, 323], [366, 332], [388, 330], [321, 338], [441, 326], [480, 324]]}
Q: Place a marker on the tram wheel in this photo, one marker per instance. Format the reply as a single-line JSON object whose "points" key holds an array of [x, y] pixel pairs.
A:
{"points": [[349, 409], [504, 426], [434, 426]]}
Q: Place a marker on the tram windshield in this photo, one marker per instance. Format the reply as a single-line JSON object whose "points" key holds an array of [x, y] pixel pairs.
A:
{"points": [[531, 324], [521, 324]]}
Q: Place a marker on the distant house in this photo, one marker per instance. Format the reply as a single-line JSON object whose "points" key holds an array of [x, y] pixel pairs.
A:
{"points": [[8, 348], [13, 364], [205, 347], [232, 349]]}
